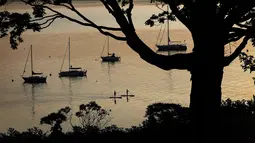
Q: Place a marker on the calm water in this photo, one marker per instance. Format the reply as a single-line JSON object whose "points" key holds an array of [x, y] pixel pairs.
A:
{"points": [[22, 105]]}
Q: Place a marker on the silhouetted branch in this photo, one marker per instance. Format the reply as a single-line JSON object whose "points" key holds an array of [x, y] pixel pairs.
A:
{"points": [[234, 39], [223, 10], [235, 15], [129, 14], [243, 25], [51, 21], [42, 18], [247, 16], [53, 18], [118, 15], [177, 61], [99, 28], [83, 23], [91, 22], [64, 16], [238, 50], [182, 17], [65, 6], [235, 34], [82, 16], [107, 7]]}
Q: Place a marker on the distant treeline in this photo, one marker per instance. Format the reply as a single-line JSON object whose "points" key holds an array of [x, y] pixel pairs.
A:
{"points": [[92, 0], [163, 122]]}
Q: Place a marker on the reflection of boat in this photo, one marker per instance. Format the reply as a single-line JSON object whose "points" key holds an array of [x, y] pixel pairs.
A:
{"points": [[30, 91], [72, 71], [171, 45], [110, 57], [35, 77], [33, 101]]}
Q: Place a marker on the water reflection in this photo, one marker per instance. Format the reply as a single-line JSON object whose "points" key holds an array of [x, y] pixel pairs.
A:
{"points": [[110, 68], [170, 79], [31, 91], [69, 82], [70, 93], [169, 53]]}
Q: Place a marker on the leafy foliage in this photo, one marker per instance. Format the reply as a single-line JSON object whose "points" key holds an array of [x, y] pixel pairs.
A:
{"points": [[92, 115], [160, 18], [163, 121], [184, 10], [56, 119], [31, 135], [38, 11], [159, 113], [248, 62], [15, 24]]}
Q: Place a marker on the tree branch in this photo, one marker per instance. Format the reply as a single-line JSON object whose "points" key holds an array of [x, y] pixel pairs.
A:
{"points": [[52, 20], [42, 18], [107, 7], [177, 61], [238, 50], [82, 16], [65, 6], [92, 23], [233, 39], [100, 28], [129, 14], [243, 25], [118, 15], [179, 15], [235, 34], [236, 14]]}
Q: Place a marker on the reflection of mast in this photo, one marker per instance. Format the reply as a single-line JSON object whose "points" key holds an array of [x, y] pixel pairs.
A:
{"points": [[68, 87], [33, 102], [71, 93], [170, 79], [27, 94], [110, 66], [109, 71]]}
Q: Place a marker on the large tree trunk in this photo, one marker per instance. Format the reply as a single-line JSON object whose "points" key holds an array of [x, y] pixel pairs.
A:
{"points": [[205, 100], [205, 97]]}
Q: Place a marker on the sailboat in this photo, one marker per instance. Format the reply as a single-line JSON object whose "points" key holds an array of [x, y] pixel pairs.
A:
{"points": [[34, 77], [110, 57], [171, 45], [72, 71]]}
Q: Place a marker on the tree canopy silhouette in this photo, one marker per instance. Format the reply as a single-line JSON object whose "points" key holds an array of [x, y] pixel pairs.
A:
{"points": [[213, 24]]}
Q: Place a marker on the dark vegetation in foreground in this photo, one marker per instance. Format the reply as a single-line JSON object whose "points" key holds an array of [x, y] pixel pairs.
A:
{"points": [[163, 122]]}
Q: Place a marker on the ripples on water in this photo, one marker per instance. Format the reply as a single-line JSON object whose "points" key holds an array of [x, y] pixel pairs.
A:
{"points": [[22, 105]]}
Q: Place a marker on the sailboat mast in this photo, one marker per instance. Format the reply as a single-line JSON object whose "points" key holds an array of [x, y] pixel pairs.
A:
{"points": [[31, 59], [168, 38], [69, 53]]}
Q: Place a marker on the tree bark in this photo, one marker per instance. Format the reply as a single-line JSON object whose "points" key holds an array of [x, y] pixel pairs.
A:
{"points": [[205, 97], [205, 101]]}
